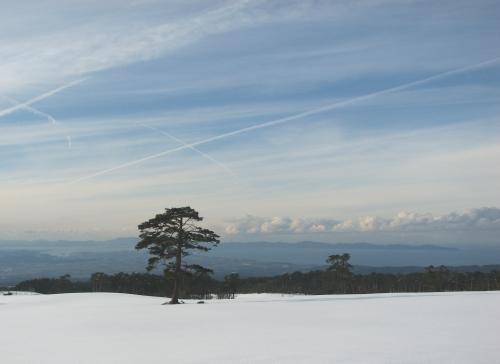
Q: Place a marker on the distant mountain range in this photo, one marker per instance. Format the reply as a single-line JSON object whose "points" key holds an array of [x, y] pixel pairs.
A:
{"points": [[346, 246], [65, 246], [21, 260]]}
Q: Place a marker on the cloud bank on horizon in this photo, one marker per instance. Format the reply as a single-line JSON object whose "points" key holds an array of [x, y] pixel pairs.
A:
{"points": [[200, 70], [474, 219]]}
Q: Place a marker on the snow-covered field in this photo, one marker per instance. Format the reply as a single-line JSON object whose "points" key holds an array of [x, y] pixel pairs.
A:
{"points": [[384, 328]]}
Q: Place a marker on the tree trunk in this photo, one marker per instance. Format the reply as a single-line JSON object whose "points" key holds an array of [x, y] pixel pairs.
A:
{"points": [[175, 294], [178, 258]]}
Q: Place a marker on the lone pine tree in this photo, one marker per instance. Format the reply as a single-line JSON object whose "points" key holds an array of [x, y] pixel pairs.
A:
{"points": [[170, 237]]}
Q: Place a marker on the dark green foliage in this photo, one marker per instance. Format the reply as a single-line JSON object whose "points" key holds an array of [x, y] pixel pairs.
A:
{"points": [[171, 236], [340, 271], [339, 264], [54, 285], [193, 286], [323, 282]]}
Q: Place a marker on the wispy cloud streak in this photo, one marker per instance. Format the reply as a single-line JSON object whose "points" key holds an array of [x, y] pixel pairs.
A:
{"points": [[328, 107]]}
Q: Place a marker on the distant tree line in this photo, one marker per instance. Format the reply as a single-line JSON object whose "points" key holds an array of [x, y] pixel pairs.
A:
{"points": [[63, 284], [433, 279], [336, 279]]}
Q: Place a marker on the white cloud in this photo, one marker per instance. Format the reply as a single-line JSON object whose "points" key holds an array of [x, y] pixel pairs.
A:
{"points": [[254, 224], [485, 218]]}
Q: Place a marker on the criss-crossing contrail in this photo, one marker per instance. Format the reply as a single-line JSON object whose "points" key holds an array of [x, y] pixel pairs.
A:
{"points": [[328, 107], [37, 112], [204, 155], [27, 104]]}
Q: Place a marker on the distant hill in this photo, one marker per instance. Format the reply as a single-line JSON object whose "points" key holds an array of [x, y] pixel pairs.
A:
{"points": [[347, 246], [58, 247]]}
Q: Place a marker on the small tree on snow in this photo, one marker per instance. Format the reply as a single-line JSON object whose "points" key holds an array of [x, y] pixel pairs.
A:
{"points": [[171, 236]]}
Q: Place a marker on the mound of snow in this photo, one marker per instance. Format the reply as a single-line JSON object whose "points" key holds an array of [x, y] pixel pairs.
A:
{"points": [[259, 328]]}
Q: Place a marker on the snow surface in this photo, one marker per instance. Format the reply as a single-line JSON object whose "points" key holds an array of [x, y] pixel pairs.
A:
{"points": [[259, 328]]}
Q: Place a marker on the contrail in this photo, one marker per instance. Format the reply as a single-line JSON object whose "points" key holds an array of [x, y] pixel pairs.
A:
{"points": [[204, 155], [30, 109], [26, 105], [287, 119], [34, 111]]}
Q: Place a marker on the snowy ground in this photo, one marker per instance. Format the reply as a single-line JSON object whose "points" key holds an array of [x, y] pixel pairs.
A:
{"points": [[383, 328]]}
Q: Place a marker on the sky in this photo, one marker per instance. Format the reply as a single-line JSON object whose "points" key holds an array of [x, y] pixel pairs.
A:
{"points": [[335, 121]]}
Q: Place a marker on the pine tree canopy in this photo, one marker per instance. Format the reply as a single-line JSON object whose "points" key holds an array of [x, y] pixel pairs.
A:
{"points": [[173, 235]]}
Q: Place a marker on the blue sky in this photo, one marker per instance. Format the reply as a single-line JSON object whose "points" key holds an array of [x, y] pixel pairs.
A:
{"points": [[124, 91]]}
